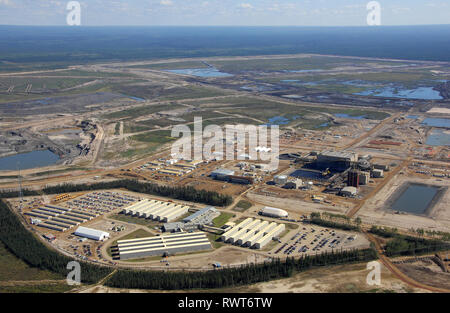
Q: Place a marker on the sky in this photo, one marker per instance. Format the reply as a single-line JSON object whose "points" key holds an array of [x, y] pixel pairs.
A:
{"points": [[225, 12]]}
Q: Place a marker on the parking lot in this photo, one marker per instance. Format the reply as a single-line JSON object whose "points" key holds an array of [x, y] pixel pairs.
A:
{"points": [[102, 201], [312, 239]]}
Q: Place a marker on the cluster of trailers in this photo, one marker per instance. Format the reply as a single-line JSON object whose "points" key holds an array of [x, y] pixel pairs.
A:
{"points": [[102, 201], [59, 218], [253, 233], [157, 210], [172, 167]]}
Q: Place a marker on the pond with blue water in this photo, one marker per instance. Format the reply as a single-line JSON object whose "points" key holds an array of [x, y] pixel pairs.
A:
{"points": [[416, 198], [201, 72], [439, 137], [436, 122], [343, 115], [28, 160], [422, 93]]}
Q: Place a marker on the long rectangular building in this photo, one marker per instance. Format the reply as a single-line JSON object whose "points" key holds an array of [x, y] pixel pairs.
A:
{"points": [[229, 234], [157, 210], [159, 245], [253, 233], [252, 240], [269, 236]]}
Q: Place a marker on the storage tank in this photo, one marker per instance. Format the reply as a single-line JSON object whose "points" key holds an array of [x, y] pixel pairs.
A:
{"points": [[377, 173], [273, 212], [280, 179]]}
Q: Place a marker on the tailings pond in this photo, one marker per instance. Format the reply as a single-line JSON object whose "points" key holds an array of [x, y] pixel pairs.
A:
{"points": [[416, 198], [28, 160]]}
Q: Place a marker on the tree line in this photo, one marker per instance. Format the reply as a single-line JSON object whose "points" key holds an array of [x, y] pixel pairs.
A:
{"points": [[24, 245], [181, 193], [344, 224], [408, 245], [233, 277]]}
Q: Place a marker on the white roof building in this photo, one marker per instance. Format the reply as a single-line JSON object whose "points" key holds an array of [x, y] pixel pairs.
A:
{"points": [[273, 212], [91, 233], [349, 191]]}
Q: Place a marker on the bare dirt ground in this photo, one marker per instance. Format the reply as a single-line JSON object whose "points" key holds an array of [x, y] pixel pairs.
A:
{"points": [[296, 206], [228, 255], [439, 110], [426, 273], [374, 212]]}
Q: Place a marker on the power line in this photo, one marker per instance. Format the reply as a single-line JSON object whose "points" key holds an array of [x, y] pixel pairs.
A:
{"points": [[19, 177]]}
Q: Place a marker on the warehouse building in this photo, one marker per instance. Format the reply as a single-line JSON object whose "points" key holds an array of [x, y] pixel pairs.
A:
{"points": [[91, 233], [240, 180], [160, 245], [253, 233], [222, 174], [173, 227], [157, 210], [58, 218], [273, 212], [203, 216], [267, 237]]}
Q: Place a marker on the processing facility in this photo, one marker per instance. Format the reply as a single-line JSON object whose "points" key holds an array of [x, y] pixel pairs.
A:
{"points": [[335, 160], [160, 245]]}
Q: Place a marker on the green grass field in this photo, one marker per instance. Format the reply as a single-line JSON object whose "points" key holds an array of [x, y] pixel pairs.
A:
{"points": [[290, 64], [222, 219], [12, 269], [159, 137], [242, 205], [39, 288], [139, 111]]}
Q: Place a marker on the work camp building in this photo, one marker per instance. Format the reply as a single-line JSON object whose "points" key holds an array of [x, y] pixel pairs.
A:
{"points": [[160, 245]]}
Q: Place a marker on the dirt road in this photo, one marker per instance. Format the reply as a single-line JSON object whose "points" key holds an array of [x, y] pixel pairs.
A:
{"points": [[399, 274]]}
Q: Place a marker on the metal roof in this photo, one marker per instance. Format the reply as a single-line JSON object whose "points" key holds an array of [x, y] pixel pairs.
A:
{"points": [[199, 213], [90, 232], [222, 171]]}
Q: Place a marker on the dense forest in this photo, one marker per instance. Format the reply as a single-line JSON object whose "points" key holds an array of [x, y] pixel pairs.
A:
{"points": [[180, 193], [27, 247], [15, 193], [408, 245], [232, 277]]}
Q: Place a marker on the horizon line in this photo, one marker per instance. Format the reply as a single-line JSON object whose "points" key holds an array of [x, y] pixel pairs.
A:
{"points": [[234, 26]]}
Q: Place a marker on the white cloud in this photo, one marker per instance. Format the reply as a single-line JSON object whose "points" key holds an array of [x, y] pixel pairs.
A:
{"points": [[245, 6], [400, 10], [166, 2], [6, 2]]}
